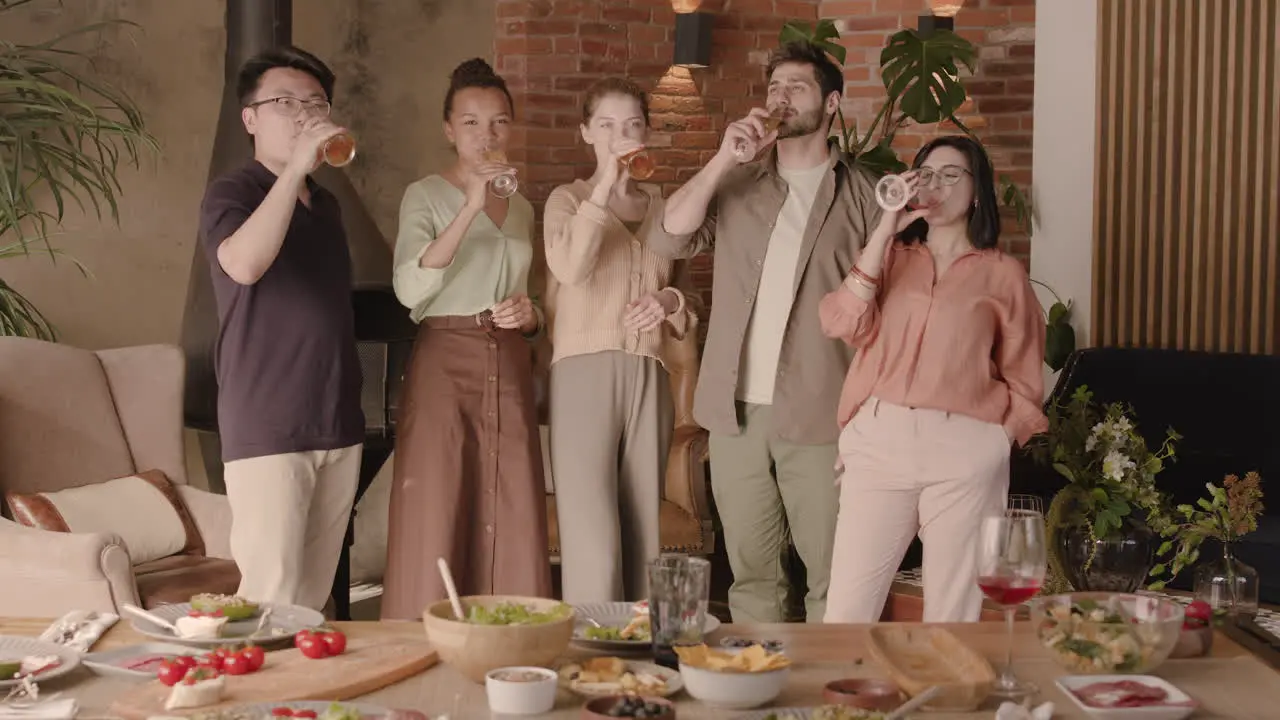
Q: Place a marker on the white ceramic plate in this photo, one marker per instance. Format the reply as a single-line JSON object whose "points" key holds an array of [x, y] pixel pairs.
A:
{"points": [[109, 662], [285, 622], [317, 706], [13, 649], [1069, 683], [591, 690], [617, 614]]}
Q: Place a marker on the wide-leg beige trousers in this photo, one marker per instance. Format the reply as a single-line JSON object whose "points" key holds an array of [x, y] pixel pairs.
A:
{"points": [[611, 424], [289, 515], [909, 471]]}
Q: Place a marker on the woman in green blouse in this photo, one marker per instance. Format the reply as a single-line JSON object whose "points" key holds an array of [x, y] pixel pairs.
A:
{"points": [[468, 476]]}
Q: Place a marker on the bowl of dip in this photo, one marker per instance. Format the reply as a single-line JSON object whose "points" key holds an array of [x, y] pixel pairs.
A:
{"points": [[521, 690]]}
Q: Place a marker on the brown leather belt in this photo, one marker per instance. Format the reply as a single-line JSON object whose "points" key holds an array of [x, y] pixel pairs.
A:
{"points": [[479, 321]]}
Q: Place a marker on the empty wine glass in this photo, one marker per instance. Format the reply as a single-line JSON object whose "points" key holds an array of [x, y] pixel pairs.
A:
{"points": [[1011, 567], [1026, 502], [503, 186]]}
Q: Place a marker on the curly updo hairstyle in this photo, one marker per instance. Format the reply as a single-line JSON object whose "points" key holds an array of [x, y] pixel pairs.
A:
{"points": [[475, 73]]}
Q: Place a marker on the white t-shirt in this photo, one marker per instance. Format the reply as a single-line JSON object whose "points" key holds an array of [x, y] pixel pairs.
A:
{"points": [[768, 322]]}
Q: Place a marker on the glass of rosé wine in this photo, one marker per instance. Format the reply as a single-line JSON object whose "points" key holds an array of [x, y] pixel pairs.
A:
{"points": [[1011, 567]]}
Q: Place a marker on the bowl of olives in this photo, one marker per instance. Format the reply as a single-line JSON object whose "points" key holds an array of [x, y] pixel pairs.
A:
{"points": [[629, 706]]}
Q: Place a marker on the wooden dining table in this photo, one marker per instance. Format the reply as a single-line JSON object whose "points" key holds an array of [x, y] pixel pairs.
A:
{"points": [[1228, 683]]}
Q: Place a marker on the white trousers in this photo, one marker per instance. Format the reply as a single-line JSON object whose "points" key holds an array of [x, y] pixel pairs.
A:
{"points": [[289, 517], [909, 471]]}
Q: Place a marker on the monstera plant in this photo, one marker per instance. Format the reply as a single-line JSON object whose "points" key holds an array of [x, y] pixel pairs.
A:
{"points": [[921, 76], [64, 134]]}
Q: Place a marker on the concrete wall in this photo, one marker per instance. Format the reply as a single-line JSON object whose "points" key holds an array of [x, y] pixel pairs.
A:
{"points": [[392, 58], [1063, 148]]}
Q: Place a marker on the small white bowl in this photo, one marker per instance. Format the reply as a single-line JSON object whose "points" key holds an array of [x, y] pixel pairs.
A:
{"points": [[1070, 683], [533, 694], [733, 690]]}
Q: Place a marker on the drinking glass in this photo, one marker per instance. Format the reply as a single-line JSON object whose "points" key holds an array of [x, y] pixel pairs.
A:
{"points": [[503, 186], [771, 123], [679, 587], [639, 163], [1011, 567], [339, 149]]}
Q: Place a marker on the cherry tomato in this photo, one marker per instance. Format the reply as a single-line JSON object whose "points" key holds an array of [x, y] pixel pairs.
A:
{"points": [[171, 672], [236, 665], [311, 646], [186, 661], [255, 656], [1198, 613], [304, 713], [281, 712], [335, 642]]}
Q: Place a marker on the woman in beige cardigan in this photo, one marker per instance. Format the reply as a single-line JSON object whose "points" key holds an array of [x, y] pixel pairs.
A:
{"points": [[609, 304]]}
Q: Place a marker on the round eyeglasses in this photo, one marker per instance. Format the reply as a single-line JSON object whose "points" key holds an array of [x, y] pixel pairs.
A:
{"points": [[292, 106], [947, 176]]}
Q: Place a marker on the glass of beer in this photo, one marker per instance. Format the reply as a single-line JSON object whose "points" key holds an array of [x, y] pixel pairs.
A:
{"points": [[639, 163], [339, 149], [503, 186], [771, 123]]}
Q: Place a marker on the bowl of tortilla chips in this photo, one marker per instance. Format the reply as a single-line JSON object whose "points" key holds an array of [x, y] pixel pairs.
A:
{"points": [[734, 679]]}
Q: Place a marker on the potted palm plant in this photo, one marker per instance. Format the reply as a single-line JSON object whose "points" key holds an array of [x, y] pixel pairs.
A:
{"points": [[64, 135], [921, 75]]}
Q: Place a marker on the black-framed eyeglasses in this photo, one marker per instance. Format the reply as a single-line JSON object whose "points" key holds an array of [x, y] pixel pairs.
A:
{"points": [[947, 176], [292, 106]]}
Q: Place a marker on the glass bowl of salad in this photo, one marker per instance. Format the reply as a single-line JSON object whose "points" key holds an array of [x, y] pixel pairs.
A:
{"points": [[1097, 633], [499, 631]]}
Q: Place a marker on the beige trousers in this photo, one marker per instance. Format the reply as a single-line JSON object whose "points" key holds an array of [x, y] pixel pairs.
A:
{"points": [[289, 518], [909, 471], [611, 423]]}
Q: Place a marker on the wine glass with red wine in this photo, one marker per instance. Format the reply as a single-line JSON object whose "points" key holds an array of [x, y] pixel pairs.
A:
{"points": [[1011, 566]]}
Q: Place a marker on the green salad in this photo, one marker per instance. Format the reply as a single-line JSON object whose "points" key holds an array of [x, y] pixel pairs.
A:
{"points": [[338, 711], [516, 614], [618, 634], [1088, 636]]}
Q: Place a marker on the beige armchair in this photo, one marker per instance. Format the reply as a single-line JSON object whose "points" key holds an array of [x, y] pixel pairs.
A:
{"points": [[71, 418]]}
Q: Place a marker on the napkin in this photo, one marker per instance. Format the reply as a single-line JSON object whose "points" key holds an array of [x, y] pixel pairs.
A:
{"points": [[62, 709], [79, 629], [1013, 711]]}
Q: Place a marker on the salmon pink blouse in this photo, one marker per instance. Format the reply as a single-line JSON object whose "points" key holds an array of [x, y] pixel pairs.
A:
{"points": [[970, 342]]}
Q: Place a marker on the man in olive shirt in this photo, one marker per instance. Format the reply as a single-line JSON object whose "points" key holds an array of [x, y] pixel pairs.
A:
{"points": [[785, 230], [289, 377]]}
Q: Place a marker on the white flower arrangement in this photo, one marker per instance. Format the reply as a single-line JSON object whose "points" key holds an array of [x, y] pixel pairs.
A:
{"points": [[1110, 472]]}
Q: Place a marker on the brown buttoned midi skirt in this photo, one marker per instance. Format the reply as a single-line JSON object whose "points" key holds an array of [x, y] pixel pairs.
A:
{"points": [[468, 483]]}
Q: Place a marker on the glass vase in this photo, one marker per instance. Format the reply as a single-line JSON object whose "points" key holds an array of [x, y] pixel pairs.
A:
{"points": [[1227, 585]]}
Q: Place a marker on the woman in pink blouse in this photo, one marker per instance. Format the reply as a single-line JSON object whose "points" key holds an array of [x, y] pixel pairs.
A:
{"points": [[950, 344]]}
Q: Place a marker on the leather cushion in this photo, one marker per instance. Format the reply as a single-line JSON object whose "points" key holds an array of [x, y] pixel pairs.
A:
{"points": [[175, 579], [144, 509], [679, 532]]}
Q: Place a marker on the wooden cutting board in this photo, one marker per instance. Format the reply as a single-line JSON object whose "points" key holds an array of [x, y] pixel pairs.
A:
{"points": [[369, 664]]}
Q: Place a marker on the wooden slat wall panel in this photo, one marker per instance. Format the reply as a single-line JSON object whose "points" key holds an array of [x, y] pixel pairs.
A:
{"points": [[1187, 211]]}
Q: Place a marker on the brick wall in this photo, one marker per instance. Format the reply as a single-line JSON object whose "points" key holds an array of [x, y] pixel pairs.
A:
{"points": [[551, 50], [1001, 89]]}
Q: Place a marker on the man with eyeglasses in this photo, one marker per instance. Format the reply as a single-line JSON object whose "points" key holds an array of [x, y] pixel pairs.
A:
{"points": [[288, 375]]}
